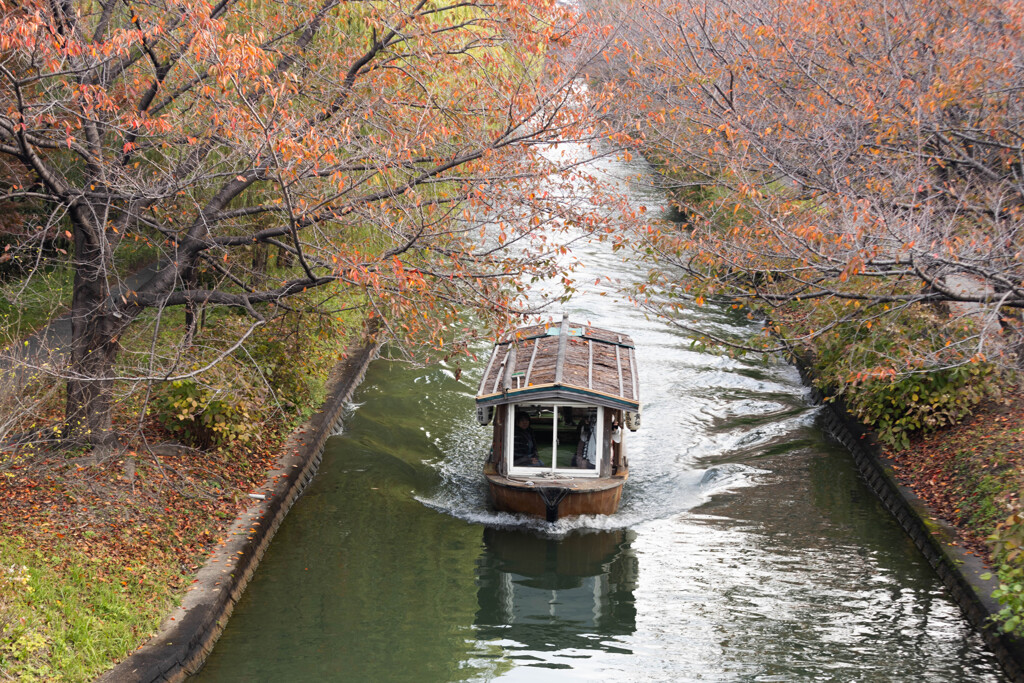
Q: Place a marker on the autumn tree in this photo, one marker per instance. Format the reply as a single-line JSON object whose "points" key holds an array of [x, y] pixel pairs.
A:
{"points": [[838, 165], [391, 151]]}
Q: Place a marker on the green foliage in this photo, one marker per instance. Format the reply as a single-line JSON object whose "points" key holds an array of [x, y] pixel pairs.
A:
{"points": [[1007, 545], [273, 383], [921, 402], [201, 417], [896, 372], [280, 360], [296, 353]]}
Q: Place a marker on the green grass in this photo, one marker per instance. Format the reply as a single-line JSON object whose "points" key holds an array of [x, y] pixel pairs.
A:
{"points": [[133, 254], [66, 616], [27, 305]]}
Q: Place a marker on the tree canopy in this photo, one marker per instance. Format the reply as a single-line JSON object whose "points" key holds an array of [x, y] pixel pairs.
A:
{"points": [[856, 159], [391, 151]]}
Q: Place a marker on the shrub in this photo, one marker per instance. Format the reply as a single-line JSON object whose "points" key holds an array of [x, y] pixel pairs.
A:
{"points": [[920, 402], [200, 417], [280, 359], [900, 375], [1007, 544]]}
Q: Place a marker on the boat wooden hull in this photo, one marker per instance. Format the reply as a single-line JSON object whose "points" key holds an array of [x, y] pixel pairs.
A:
{"points": [[556, 498]]}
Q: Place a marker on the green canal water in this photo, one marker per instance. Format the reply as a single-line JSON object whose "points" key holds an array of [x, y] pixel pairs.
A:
{"points": [[747, 548]]}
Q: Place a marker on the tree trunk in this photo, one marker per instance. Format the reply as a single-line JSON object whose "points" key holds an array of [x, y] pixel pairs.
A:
{"points": [[284, 258], [93, 345], [188, 281], [260, 259], [260, 256]]}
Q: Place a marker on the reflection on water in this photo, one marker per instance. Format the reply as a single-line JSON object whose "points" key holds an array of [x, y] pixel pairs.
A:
{"points": [[746, 547], [359, 584], [542, 593]]}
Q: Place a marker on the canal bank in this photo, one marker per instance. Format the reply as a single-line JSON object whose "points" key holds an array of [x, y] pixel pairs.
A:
{"points": [[959, 569], [187, 635]]}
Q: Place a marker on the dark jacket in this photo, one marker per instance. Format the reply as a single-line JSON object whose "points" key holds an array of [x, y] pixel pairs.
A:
{"points": [[524, 448]]}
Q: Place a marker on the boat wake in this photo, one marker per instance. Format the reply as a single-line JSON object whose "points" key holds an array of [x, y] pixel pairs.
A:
{"points": [[650, 495], [728, 477]]}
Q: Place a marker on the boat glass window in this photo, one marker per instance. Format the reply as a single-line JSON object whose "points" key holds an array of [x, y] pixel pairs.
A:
{"points": [[556, 437]]}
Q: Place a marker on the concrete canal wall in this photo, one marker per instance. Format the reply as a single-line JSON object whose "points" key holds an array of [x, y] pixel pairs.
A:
{"points": [[186, 636], [960, 572]]}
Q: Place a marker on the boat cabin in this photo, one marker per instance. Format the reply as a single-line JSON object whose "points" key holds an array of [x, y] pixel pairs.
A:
{"points": [[558, 396]]}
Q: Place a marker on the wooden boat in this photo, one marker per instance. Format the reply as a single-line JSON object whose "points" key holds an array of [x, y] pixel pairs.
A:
{"points": [[558, 395]]}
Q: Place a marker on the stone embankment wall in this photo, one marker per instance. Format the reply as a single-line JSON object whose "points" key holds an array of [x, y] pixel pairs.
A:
{"points": [[187, 635], [960, 572]]}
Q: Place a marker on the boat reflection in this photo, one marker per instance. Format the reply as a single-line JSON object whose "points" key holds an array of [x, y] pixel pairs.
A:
{"points": [[548, 594]]}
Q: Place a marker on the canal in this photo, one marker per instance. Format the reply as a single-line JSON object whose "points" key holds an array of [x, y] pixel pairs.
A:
{"points": [[747, 548]]}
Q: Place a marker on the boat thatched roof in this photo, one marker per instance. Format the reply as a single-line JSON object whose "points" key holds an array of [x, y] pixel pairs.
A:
{"points": [[562, 360]]}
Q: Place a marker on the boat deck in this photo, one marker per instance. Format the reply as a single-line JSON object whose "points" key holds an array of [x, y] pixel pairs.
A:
{"points": [[580, 484]]}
